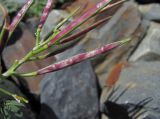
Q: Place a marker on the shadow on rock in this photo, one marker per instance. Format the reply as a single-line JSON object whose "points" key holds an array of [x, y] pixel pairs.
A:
{"points": [[115, 110], [47, 113], [147, 1]]}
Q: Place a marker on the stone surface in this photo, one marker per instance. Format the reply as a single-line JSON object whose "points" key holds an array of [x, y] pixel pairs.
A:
{"points": [[70, 93], [149, 48], [20, 44], [120, 54], [150, 11], [103, 64], [121, 25], [32, 24], [139, 86], [53, 19]]}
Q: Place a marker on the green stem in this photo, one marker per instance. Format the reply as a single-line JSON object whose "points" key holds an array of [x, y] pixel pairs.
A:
{"points": [[26, 74], [38, 36], [18, 63], [2, 33], [5, 92]]}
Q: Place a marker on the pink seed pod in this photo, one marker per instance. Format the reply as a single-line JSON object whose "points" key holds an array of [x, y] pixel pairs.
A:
{"points": [[20, 15], [80, 57], [45, 13]]}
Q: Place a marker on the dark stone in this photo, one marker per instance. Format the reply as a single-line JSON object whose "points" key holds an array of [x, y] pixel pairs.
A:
{"points": [[147, 1], [71, 93], [25, 112], [139, 90]]}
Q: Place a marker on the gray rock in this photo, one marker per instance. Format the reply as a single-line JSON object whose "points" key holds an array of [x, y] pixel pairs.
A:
{"points": [[149, 48], [150, 11], [53, 19], [70, 93], [121, 53], [121, 25], [143, 80], [32, 24]]}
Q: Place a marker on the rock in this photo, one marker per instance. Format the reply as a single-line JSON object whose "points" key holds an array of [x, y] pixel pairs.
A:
{"points": [[25, 111], [53, 19], [32, 24], [19, 45], [150, 12], [120, 54], [149, 48], [138, 90], [119, 27], [70, 93]]}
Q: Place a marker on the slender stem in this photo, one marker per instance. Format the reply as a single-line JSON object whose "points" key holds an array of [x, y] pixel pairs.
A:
{"points": [[18, 63], [38, 36], [5, 92], [27, 74], [66, 19]]}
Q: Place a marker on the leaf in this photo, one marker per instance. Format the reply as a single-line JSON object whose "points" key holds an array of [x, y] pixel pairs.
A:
{"points": [[11, 107]]}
